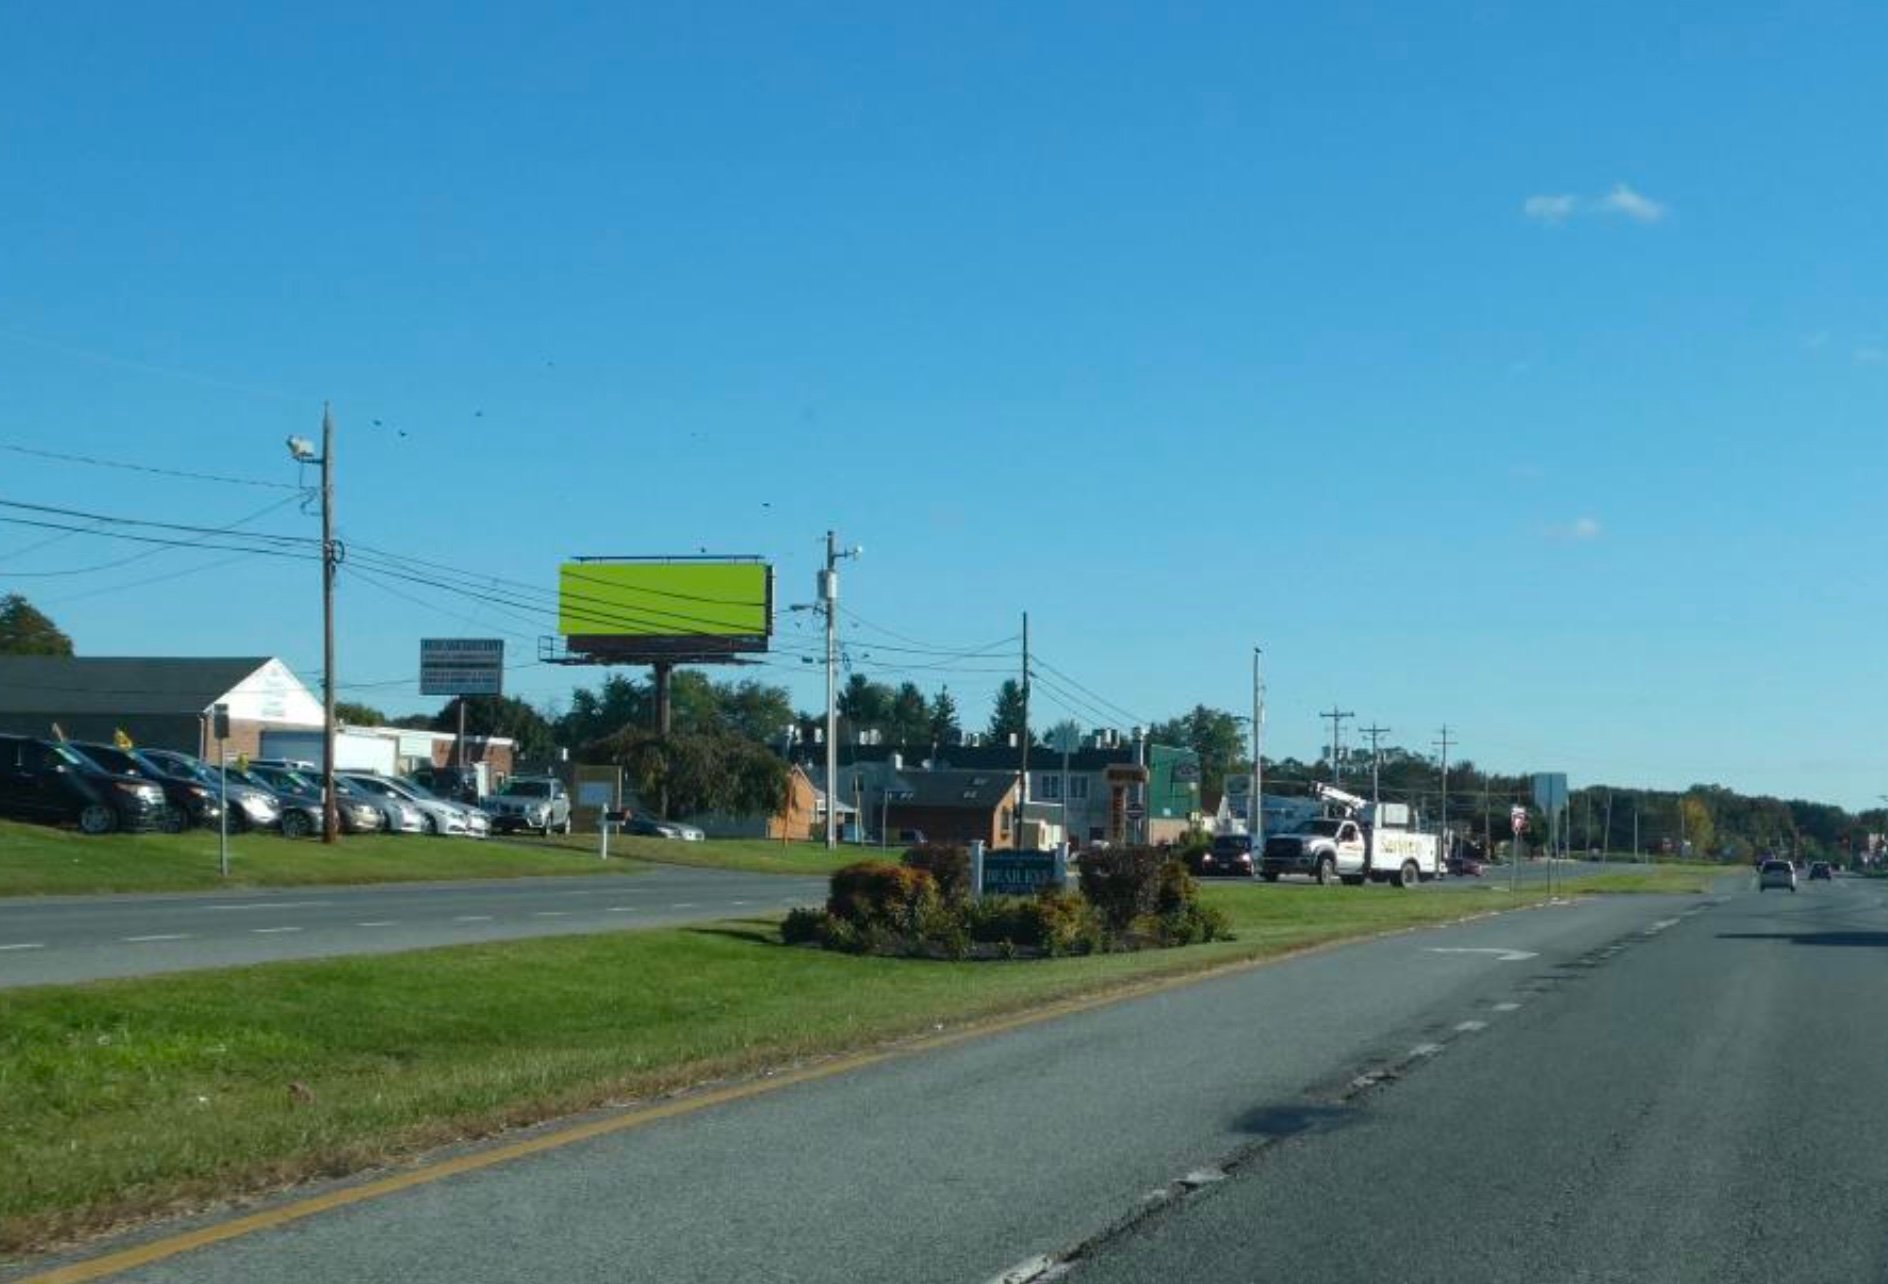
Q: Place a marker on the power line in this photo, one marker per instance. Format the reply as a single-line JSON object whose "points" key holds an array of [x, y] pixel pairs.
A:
{"points": [[147, 468], [1129, 714], [152, 552]]}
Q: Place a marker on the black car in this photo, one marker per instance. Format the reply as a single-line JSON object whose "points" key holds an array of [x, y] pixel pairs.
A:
{"points": [[251, 806], [50, 782], [188, 801], [1820, 869], [1230, 855]]}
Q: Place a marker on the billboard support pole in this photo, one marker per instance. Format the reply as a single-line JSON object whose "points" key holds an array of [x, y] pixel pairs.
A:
{"points": [[665, 718]]}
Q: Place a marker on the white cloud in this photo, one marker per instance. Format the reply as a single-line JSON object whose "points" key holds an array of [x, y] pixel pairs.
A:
{"points": [[1623, 200], [1870, 355], [1816, 340], [1585, 528], [1553, 210], [1550, 209]]}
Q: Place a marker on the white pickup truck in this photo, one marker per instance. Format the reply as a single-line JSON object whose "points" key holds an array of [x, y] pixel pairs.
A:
{"points": [[1368, 841]]}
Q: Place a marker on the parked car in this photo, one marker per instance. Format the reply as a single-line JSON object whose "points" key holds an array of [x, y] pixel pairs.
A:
{"points": [[454, 784], [477, 824], [1820, 870], [1776, 873], [531, 802], [1465, 866], [645, 826], [188, 802], [1230, 855], [296, 790], [436, 815], [52, 783], [250, 807]]}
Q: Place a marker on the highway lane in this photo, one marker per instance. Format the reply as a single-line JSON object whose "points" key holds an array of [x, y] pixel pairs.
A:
{"points": [[1704, 1107], [63, 939], [52, 940], [960, 1163]]}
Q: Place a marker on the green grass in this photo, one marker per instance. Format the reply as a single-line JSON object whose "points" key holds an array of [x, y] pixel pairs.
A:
{"points": [[1667, 879], [125, 1098], [37, 860], [754, 855]]}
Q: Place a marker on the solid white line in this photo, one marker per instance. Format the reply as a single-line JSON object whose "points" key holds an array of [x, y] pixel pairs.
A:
{"points": [[271, 931], [27, 945], [270, 905], [473, 918], [180, 936], [384, 922], [1470, 1027]]}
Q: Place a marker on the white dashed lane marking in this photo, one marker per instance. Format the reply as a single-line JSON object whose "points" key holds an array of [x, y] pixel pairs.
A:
{"points": [[273, 931], [473, 918], [161, 936], [551, 914], [1470, 1027], [382, 922], [25, 945], [1507, 1007]]}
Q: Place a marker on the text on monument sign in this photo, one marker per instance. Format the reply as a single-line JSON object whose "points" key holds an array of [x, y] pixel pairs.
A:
{"points": [[462, 666]]}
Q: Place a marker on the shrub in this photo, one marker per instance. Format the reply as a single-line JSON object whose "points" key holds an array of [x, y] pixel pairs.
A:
{"points": [[1174, 889], [949, 868], [879, 894], [1057, 923], [1192, 843], [1122, 883], [804, 925]]}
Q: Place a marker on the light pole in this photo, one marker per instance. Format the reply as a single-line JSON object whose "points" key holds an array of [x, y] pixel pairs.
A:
{"points": [[1255, 819], [303, 451], [829, 602]]}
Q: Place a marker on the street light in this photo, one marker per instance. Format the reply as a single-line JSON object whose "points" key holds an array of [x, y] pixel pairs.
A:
{"points": [[302, 451]]}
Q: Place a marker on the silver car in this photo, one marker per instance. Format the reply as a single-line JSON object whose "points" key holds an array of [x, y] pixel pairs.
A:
{"points": [[437, 815], [1776, 873]]}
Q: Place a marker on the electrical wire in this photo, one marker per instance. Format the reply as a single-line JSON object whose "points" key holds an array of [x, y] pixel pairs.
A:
{"points": [[146, 468], [260, 513]]}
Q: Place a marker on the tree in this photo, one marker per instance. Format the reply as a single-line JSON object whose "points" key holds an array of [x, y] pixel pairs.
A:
{"points": [[505, 716], [358, 715], [25, 630], [910, 722], [865, 703], [756, 710], [944, 727], [691, 773], [1216, 737], [1006, 719]]}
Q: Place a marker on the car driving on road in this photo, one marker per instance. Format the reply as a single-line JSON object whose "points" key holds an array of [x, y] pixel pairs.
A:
{"points": [[1776, 873], [1820, 870], [1230, 856]]}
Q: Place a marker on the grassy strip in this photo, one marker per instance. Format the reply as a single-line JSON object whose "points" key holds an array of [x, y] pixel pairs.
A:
{"points": [[126, 1098], [1665, 879], [753, 855], [37, 860]]}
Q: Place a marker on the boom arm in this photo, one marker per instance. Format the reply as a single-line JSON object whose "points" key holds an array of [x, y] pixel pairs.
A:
{"points": [[1350, 802]]}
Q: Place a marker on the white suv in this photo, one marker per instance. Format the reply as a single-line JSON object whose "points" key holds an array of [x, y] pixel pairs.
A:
{"points": [[1776, 873]]}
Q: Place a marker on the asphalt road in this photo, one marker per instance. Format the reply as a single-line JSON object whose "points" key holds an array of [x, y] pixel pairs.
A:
{"points": [[1624, 1088], [48, 940]]}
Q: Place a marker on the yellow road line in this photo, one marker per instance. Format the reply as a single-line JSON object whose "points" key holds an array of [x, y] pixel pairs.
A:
{"points": [[110, 1264]]}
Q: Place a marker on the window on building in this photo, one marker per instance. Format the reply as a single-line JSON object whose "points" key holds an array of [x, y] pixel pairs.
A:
{"points": [[1078, 788], [1049, 788]]}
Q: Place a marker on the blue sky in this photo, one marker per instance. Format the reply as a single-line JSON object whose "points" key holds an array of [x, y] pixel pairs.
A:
{"points": [[1511, 367]]}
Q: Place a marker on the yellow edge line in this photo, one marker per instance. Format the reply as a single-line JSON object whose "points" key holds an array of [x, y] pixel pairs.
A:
{"points": [[172, 1246]]}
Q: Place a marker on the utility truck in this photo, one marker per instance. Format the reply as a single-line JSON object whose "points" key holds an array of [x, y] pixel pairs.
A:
{"points": [[1359, 840]]}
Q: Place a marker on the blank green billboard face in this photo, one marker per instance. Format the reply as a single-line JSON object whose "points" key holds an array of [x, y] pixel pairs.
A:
{"points": [[665, 599]]}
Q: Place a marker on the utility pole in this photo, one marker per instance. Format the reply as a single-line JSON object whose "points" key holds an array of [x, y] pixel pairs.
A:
{"points": [[1337, 716], [1022, 769], [1635, 829], [330, 813], [1606, 842], [1442, 820], [1255, 818], [1375, 733]]}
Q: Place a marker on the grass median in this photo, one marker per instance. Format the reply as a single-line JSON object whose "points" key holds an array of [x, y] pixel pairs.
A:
{"points": [[126, 1099], [37, 860]]}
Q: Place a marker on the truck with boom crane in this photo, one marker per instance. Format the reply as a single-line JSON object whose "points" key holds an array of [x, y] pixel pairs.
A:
{"points": [[1357, 840]]}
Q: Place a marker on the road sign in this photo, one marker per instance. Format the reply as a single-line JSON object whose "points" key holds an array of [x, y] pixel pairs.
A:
{"points": [[1137, 811], [462, 666]]}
